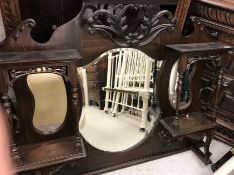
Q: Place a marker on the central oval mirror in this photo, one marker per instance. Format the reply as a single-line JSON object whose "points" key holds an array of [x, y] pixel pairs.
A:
{"points": [[118, 88]]}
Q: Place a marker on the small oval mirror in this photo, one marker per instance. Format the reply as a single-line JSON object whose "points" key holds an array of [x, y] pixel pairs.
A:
{"points": [[185, 98], [50, 99]]}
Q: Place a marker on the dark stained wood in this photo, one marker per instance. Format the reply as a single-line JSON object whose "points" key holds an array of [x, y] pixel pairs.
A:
{"points": [[212, 47], [50, 153], [10, 14], [48, 15], [39, 57], [216, 18], [32, 149], [189, 123], [181, 13], [75, 35], [225, 4]]}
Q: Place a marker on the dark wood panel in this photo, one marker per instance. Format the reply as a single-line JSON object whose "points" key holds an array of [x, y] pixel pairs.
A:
{"points": [[216, 18], [49, 15], [10, 14], [75, 34]]}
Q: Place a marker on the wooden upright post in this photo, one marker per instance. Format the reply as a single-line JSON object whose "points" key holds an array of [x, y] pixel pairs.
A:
{"points": [[181, 13]]}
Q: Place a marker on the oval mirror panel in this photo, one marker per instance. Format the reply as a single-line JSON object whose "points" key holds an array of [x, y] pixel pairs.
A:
{"points": [[118, 89], [50, 98], [185, 98]]}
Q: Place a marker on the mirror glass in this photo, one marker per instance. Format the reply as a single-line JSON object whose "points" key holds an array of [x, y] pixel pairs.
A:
{"points": [[50, 101], [185, 97], [118, 88]]}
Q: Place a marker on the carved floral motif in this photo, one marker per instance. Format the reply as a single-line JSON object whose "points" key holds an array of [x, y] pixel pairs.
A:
{"points": [[194, 59], [16, 74], [113, 24], [75, 95]]}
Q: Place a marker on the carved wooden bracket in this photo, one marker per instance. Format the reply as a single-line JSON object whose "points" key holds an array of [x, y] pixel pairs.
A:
{"points": [[114, 25], [16, 74], [192, 60], [226, 81], [30, 23]]}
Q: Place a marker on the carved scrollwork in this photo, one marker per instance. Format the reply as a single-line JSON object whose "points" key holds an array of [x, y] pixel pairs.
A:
{"points": [[16, 74], [212, 32], [75, 95], [211, 66], [6, 104], [215, 30], [166, 138], [28, 23], [114, 25], [192, 60], [226, 81], [205, 104]]}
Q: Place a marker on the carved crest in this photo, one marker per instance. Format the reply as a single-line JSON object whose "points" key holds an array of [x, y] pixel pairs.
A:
{"points": [[113, 24]]}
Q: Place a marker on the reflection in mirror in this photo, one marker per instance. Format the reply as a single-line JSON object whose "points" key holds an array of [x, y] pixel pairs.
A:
{"points": [[50, 98], [118, 87], [186, 94]]}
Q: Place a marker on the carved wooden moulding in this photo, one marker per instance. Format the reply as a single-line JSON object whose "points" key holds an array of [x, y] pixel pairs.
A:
{"points": [[215, 17], [214, 13], [131, 24]]}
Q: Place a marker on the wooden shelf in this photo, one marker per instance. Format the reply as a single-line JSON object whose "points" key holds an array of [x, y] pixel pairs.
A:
{"points": [[188, 124], [50, 153], [200, 47]]}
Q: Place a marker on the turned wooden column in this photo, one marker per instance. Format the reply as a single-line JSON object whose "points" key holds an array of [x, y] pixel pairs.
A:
{"points": [[7, 107], [182, 65]]}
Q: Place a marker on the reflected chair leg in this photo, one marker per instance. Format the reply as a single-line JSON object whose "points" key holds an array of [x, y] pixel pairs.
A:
{"points": [[116, 105], [106, 101], [143, 124]]}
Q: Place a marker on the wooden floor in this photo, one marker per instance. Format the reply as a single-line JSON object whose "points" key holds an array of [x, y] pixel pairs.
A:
{"points": [[185, 163]]}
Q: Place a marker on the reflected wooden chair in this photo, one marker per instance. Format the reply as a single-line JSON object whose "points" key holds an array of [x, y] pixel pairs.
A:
{"points": [[129, 76]]}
